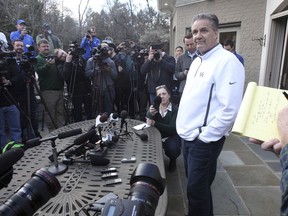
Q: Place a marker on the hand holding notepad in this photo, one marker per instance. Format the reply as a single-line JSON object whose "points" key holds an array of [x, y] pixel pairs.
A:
{"points": [[257, 116]]}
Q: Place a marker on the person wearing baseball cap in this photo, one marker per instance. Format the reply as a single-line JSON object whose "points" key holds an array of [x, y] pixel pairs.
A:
{"points": [[54, 41], [22, 34]]}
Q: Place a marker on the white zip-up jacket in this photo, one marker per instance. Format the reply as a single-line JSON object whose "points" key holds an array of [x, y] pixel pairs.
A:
{"points": [[211, 97]]}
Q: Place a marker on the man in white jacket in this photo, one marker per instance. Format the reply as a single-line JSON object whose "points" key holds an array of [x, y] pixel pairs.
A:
{"points": [[207, 110]]}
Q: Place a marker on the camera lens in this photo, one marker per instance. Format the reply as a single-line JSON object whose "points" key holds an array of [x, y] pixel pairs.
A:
{"points": [[157, 56], [147, 186], [31, 195]]}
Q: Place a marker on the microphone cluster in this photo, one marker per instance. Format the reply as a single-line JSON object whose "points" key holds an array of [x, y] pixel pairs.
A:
{"points": [[107, 124]]}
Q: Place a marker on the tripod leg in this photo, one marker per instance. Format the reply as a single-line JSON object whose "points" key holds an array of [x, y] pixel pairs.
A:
{"points": [[44, 103]]}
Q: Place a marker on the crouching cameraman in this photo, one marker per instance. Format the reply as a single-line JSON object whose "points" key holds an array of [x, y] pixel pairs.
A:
{"points": [[102, 71], [72, 66]]}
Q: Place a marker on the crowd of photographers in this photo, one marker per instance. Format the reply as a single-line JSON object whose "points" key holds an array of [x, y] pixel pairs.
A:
{"points": [[97, 75]]}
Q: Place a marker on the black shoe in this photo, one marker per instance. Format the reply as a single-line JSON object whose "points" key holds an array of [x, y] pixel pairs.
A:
{"points": [[172, 165]]}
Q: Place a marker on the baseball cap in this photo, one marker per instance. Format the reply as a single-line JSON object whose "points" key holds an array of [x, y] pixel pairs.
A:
{"points": [[112, 45], [46, 26], [21, 21]]}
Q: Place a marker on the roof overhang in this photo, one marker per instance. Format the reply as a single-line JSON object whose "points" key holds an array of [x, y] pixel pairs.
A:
{"points": [[166, 6]]}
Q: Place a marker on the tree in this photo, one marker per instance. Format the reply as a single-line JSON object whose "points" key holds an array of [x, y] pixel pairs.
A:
{"points": [[119, 20]]}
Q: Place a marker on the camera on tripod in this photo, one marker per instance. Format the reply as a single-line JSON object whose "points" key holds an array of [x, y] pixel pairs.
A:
{"points": [[6, 58], [147, 186], [28, 60], [75, 50], [100, 53]]}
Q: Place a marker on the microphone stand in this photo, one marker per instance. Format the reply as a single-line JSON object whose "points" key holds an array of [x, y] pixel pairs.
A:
{"points": [[126, 132], [56, 169]]}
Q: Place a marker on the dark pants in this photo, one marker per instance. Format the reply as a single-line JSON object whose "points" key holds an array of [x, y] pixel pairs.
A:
{"points": [[172, 146], [32, 118], [77, 107], [107, 100], [200, 160]]}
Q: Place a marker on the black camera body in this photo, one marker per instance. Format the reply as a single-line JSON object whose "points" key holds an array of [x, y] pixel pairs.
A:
{"points": [[147, 186], [28, 60], [99, 54], [119, 207], [75, 50], [156, 47], [6, 58]]}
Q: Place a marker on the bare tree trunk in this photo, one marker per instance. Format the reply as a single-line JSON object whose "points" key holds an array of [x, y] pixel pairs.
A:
{"points": [[81, 16]]}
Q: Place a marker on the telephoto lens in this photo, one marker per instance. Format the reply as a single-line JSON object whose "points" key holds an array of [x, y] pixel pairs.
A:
{"points": [[31, 195], [147, 186]]}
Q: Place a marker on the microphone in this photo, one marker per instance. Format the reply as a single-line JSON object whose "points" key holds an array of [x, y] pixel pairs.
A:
{"points": [[101, 120], [78, 141], [95, 160], [143, 136], [114, 117], [156, 102], [123, 115], [85, 137], [7, 160], [36, 141]]}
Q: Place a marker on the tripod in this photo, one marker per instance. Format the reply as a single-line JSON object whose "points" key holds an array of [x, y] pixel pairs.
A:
{"points": [[125, 132], [100, 87], [31, 79]]}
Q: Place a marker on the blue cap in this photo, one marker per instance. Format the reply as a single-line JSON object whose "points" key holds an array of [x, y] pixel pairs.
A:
{"points": [[20, 21]]}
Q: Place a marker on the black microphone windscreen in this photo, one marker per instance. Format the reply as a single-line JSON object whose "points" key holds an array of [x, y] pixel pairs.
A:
{"points": [[156, 102], [143, 137], [32, 143], [9, 158], [94, 138], [83, 138], [115, 115], [97, 160], [124, 114], [69, 133]]}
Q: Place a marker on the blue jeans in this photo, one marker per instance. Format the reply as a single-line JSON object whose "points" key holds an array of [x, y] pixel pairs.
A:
{"points": [[107, 100], [11, 115], [172, 146], [200, 161]]}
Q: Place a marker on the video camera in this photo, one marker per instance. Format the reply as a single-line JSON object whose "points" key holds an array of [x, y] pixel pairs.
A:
{"points": [[156, 47], [147, 186], [75, 50], [28, 60], [6, 58], [100, 53], [139, 53], [31, 195]]}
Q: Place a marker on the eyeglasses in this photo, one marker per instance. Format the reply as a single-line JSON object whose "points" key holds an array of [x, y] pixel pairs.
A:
{"points": [[161, 86]]}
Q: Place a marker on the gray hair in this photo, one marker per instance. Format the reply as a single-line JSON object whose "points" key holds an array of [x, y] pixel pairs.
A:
{"points": [[207, 16]]}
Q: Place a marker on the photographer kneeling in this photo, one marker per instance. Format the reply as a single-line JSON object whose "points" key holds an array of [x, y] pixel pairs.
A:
{"points": [[164, 119], [72, 66]]}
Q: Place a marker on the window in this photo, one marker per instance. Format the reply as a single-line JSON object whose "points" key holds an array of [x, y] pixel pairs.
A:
{"points": [[230, 31]]}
